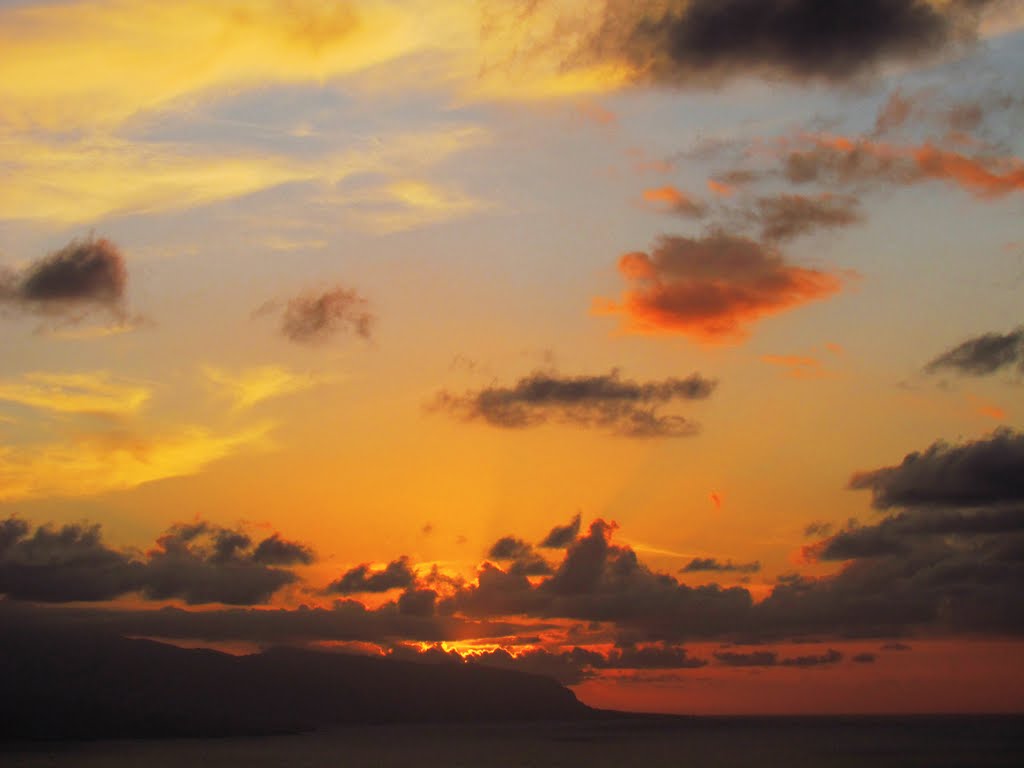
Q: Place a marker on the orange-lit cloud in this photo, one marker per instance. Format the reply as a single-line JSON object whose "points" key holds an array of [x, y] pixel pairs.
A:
{"points": [[983, 407], [845, 161], [798, 366], [721, 188], [672, 200], [711, 289]]}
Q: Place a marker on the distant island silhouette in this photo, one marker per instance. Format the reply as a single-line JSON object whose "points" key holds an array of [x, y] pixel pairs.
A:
{"points": [[60, 686]]}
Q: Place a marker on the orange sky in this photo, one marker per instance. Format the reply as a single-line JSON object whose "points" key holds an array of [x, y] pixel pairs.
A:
{"points": [[293, 290]]}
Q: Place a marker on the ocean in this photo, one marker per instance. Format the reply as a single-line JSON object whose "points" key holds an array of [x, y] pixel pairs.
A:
{"points": [[826, 742]]}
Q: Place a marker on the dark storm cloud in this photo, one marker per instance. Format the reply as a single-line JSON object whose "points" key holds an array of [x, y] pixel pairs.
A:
{"points": [[604, 582], [982, 355], [83, 275], [345, 620], [784, 217], [561, 536], [574, 665], [706, 564], [197, 563], [771, 659], [276, 551], [701, 41], [982, 472], [627, 408], [900, 532], [397, 574], [315, 317], [521, 556]]}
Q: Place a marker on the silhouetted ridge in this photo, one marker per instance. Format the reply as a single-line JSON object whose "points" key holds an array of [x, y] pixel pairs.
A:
{"points": [[102, 686]]}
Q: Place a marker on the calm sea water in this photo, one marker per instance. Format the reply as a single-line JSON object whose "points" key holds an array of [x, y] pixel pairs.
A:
{"points": [[693, 743]]}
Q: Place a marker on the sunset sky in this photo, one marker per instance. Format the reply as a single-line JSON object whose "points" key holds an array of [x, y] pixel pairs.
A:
{"points": [[671, 347]]}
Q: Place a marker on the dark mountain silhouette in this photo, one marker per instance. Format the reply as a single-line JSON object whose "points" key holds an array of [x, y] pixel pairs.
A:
{"points": [[93, 686]]}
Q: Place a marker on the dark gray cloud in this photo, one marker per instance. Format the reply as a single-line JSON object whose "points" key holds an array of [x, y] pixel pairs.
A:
{"points": [[864, 658], [197, 563], [784, 217], [625, 407], [521, 556], [899, 533], [982, 355], [397, 574], [315, 317], [81, 276], [977, 473], [706, 41], [710, 564], [771, 659], [561, 536], [276, 551]]}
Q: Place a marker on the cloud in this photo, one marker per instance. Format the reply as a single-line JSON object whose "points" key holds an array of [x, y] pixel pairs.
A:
{"points": [[798, 366], [403, 205], [784, 217], [197, 563], [562, 536], [397, 574], [842, 161], [982, 355], [82, 181], [254, 385], [864, 658], [75, 393], [83, 276], [520, 555], [622, 406], [98, 462], [671, 200], [982, 472], [771, 659], [684, 42], [315, 316], [710, 564], [712, 288]]}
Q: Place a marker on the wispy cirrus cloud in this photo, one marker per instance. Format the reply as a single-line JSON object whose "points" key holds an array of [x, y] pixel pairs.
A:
{"points": [[251, 386], [97, 462], [96, 392]]}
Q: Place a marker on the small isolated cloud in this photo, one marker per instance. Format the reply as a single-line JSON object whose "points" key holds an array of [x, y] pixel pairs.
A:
{"points": [[75, 392], [315, 317], [397, 574], [712, 565], [407, 204], [254, 385], [784, 217], [627, 408], [68, 284], [981, 472], [562, 536], [798, 366], [671, 200], [982, 355], [712, 288]]}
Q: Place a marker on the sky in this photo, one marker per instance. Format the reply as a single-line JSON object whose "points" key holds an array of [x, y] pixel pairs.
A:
{"points": [[672, 348]]}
